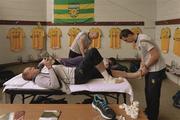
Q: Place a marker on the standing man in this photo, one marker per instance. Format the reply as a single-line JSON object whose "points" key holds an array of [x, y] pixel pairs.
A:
{"points": [[152, 66], [81, 43]]}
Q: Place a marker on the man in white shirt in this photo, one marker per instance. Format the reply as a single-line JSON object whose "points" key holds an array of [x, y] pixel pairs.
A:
{"points": [[152, 66]]}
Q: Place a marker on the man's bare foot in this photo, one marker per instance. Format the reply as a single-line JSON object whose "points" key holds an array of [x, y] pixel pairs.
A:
{"points": [[115, 80], [119, 80]]}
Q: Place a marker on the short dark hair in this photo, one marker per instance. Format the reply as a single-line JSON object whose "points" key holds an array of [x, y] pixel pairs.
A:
{"points": [[125, 33], [113, 61]]}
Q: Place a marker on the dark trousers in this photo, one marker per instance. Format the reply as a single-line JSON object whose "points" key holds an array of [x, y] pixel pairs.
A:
{"points": [[153, 81], [86, 69], [71, 62], [73, 54]]}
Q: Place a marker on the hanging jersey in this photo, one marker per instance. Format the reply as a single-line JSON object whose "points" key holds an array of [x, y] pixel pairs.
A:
{"points": [[114, 38], [38, 38], [21, 37], [176, 48], [165, 36], [55, 38], [96, 43], [136, 30], [16, 37]]}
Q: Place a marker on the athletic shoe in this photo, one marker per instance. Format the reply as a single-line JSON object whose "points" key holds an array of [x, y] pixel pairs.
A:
{"points": [[101, 105]]}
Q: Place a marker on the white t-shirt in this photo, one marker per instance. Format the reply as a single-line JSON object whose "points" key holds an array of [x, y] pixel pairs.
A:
{"points": [[66, 72], [49, 78], [145, 44], [75, 47]]}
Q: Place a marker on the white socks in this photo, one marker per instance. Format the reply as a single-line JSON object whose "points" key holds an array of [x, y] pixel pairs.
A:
{"points": [[109, 79], [106, 75]]}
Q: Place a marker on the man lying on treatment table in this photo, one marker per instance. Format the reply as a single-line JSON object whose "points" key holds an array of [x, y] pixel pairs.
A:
{"points": [[60, 76]]}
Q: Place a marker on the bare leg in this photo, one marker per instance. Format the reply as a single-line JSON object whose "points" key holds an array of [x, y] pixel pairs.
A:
{"points": [[101, 67], [117, 73]]}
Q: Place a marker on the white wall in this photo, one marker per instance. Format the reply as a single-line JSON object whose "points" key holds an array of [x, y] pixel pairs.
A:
{"points": [[23, 10], [168, 9], [112, 10], [28, 10]]}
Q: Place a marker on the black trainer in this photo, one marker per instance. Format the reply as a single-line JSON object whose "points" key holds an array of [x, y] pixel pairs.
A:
{"points": [[101, 105]]}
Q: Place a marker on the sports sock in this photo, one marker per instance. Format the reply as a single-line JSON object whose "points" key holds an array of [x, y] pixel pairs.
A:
{"points": [[106, 75], [109, 79]]}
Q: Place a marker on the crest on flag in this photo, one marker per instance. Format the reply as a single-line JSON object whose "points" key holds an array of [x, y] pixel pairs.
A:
{"points": [[73, 10]]}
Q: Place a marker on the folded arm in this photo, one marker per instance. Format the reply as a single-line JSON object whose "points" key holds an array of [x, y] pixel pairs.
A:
{"points": [[48, 81]]}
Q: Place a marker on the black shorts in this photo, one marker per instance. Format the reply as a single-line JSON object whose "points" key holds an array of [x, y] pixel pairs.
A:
{"points": [[86, 69], [84, 77]]}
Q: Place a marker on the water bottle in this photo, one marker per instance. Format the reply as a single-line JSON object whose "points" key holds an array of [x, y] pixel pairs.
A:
{"points": [[173, 64], [117, 57]]}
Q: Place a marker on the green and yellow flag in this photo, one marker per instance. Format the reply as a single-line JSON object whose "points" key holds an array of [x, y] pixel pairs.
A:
{"points": [[73, 11]]}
